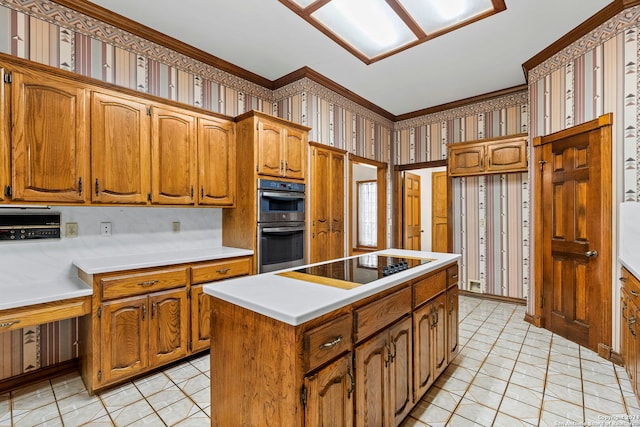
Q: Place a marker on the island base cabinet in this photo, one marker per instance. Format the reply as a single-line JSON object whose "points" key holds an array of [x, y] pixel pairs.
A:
{"points": [[430, 354], [329, 395], [383, 377]]}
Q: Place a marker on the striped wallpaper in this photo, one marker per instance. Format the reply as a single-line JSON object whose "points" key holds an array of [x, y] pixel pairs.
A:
{"points": [[491, 214]]}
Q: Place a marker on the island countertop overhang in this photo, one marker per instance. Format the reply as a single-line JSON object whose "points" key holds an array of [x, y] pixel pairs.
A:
{"points": [[295, 301]]}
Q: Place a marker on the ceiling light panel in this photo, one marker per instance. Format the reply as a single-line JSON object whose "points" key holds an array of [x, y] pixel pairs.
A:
{"points": [[370, 26], [375, 29], [434, 16]]}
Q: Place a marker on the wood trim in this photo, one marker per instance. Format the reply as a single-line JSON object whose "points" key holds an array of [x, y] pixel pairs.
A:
{"points": [[616, 358], [41, 374], [421, 165], [327, 147], [119, 21], [280, 120], [359, 159], [534, 320], [306, 72], [606, 13], [462, 102], [519, 301]]}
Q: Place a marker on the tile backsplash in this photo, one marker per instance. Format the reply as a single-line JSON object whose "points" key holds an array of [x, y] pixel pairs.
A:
{"points": [[134, 230]]}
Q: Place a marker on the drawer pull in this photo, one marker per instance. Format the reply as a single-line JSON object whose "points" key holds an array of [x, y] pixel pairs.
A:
{"points": [[333, 343], [623, 279], [9, 323], [223, 270], [148, 283], [454, 276], [634, 293]]}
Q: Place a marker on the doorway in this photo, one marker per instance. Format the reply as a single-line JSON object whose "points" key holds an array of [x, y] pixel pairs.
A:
{"points": [[434, 197], [573, 233]]}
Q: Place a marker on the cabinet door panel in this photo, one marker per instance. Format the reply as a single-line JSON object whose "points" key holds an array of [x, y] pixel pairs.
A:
{"points": [[217, 162], [49, 139], [507, 156], [452, 323], [423, 349], [329, 394], [295, 154], [124, 335], [270, 140], [321, 198], [168, 331], [120, 150], [173, 155], [337, 206], [372, 360], [466, 160], [401, 372], [4, 139], [200, 319]]}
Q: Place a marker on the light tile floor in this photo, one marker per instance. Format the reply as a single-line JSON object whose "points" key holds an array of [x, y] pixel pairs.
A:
{"points": [[508, 373]]}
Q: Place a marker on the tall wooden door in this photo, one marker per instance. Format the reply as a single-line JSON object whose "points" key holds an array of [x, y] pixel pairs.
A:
{"points": [[573, 219], [411, 211], [439, 235]]}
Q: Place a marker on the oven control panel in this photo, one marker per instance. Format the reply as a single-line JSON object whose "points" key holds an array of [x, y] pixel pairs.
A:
{"points": [[28, 225], [271, 184]]}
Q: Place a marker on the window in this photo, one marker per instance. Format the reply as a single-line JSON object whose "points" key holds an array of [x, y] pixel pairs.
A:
{"points": [[367, 206]]}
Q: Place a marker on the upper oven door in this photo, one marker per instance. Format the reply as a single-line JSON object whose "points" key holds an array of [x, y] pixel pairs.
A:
{"points": [[279, 206]]}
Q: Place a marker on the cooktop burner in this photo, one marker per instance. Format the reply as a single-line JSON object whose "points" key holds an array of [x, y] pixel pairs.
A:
{"points": [[363, 269]]}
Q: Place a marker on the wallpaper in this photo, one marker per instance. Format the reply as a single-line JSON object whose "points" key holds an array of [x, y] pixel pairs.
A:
{"points": [[491, 214], [44, 32]]}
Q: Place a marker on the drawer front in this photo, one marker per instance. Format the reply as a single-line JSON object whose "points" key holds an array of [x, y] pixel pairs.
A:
{"points": [[323, 343], [427, 288], [452, 275], [141, 283], [632, 285], [374, 316], [210, 272]]}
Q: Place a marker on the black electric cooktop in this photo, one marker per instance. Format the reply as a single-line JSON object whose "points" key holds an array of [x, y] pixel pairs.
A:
{"points": [[363, 269]]}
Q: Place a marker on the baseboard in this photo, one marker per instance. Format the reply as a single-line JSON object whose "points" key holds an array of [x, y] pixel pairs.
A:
{"points": [[520, 301], [534, 320], [33, 377]]}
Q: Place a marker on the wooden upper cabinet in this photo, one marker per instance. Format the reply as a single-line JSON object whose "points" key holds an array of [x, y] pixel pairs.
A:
{"points": [[281, 150], [173, 157], [216, 162], [501, 155], [49, 141], [295, 153], [120, 151], [270, 145], [5, 177]]}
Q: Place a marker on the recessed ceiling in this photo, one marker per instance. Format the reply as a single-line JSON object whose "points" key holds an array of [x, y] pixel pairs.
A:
{"points": [[267, 38], [376, 29]]}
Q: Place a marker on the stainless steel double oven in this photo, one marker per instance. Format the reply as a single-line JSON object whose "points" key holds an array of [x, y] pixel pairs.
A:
{"points": [[281, 228]]}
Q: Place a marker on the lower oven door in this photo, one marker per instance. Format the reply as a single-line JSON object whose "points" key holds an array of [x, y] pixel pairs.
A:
{"points": [[280, 245]]}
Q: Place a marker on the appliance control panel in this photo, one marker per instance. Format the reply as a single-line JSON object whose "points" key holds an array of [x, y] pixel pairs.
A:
{"points": [[28, 225], [270, 184]]}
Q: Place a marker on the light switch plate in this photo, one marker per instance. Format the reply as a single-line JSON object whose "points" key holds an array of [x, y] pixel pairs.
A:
{"points": [[71, 229]]}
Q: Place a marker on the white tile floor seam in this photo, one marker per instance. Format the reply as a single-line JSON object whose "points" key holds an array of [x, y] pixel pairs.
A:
{"points": [[508, 373]]}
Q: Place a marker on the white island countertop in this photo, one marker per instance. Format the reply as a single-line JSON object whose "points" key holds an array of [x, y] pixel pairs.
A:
{"points": [[296, 301]]}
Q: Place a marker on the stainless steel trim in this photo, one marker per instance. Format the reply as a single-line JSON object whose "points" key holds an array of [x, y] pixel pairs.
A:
{"points": [[283, 195]]}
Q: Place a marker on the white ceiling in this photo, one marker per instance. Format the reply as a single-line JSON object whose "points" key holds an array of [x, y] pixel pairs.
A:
{"points": [[266, 38]]}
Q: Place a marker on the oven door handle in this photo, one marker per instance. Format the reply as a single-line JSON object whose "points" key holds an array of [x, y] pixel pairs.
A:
{"points": [[274, 230], [278, 195]]}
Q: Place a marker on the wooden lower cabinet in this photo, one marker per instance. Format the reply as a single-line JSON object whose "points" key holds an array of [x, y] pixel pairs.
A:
{"points": [[383, 377], [329, 399], [630, 313], [143, 319], [452, 322], [350, 367]]}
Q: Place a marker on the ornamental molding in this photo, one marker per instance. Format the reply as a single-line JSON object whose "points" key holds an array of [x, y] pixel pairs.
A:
{"points": [[70, 19], [498, 103]]}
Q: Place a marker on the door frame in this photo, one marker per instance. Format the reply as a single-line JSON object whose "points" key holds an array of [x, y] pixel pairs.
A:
{"points": [[398, 215], [604, 123]]}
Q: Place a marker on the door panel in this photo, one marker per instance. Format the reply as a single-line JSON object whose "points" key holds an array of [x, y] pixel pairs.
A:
{"points": [[575, 218], [411, 211], [439, 233]]}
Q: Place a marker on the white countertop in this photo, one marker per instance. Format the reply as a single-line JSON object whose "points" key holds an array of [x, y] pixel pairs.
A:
{"points": [[17, 293], [156, 259], [297, 301], [629, 239]]}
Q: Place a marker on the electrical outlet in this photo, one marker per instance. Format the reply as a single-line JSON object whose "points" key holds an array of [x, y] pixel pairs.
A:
{"points": [[175, 226], [71, 229], [105, 229]]}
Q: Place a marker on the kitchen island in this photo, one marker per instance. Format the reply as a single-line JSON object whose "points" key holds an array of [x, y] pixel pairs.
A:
{"points": [[330, 344]]}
